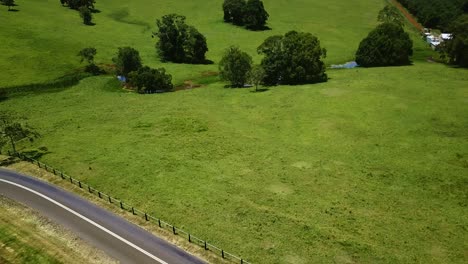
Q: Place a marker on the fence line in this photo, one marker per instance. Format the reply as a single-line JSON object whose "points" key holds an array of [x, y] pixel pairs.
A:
{"points": [[126, 207]]}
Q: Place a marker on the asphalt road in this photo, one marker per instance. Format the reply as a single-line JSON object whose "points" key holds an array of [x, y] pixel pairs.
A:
{"points": [[117, 237]]}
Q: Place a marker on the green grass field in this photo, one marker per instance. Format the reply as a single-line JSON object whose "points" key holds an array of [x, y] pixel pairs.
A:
{"points": [[43, 38], [370, 167]]}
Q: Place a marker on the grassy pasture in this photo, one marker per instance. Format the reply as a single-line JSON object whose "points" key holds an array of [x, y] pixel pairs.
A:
{"points": [[43, 38], [370, 167]]}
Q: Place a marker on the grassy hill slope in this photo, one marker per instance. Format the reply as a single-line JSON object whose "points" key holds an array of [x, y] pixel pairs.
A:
{"points": [[40, 42]]}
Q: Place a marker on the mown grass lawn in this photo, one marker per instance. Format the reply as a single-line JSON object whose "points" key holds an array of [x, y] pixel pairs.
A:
{"points": [[369, 167], [40, 42]]}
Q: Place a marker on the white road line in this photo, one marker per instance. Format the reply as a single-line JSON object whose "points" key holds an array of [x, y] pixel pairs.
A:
{"points": [[89, 221]]}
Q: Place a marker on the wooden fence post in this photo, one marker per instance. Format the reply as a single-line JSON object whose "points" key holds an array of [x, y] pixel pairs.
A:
{"points": [[146, 217], [206, 248], [121, 205], [222, 253], [173, 230]]}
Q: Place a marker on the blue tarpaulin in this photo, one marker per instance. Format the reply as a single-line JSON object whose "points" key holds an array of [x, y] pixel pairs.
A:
{"points": [[348, 65], [122, 78]]}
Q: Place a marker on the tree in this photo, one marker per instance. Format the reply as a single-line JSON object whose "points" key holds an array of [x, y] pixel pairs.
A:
{"points": [[76, 4], [9, 3], [148, 80], [256, 75], [234, 66], [127, 60], [87, 54], [179, 42], [295, 58], [255, 15], [234, 11], [387, 45], [86, 15], [457, 47], [12, 131], [391, 14]]}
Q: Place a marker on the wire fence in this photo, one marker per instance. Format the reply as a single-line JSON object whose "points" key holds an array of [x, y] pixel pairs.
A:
{"points": [[126, 207]]}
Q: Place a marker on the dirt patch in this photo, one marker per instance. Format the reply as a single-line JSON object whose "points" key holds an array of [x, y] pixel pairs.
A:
{"points": [[189, 84], [408, 16], [209, 73]]}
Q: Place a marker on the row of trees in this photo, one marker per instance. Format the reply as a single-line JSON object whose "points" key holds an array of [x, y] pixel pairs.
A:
{"points": [[84, 7], [250, 13], [436, 13]]}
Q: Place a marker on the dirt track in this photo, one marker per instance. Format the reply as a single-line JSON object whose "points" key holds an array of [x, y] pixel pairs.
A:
{"points": [[408, 16]]}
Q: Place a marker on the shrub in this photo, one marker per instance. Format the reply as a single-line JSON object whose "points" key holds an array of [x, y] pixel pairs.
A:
{"points": [[387, 45], [148, 80]]}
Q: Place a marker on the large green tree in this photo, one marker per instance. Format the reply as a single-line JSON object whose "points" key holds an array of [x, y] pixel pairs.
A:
{"points": [[255, 15], [148, 80], [387, 45], [234, 66], [127, 60], [234, 11], [457, 47], [295, 58], [179, 42]]}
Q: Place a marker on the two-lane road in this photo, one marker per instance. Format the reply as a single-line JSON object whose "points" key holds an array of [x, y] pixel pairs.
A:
{"points": [[117, 237]]}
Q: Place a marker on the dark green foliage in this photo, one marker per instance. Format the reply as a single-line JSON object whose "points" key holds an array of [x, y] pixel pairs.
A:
{"points": [[387, 45], [256, 76], [435, 13], [295, 58], [255, 15], [127, 60], [391, 14], [148, 80], [12, 131], [9, 3], [252, 13], [457, 48], [76, 4], [179, 42], [86, 15], [234, 11], [234, 66], [87, 54]]}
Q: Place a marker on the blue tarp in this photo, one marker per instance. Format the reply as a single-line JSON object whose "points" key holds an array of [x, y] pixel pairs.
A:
{"points": [[122, 78], [348, 65]]}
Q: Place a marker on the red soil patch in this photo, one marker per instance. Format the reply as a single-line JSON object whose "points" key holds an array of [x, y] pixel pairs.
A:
{"points": [[209, 73], [187, 85], [408, 16]]}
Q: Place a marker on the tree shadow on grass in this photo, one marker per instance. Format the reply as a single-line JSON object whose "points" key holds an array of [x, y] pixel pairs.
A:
{"points": [[261, 90], [13, 10]]}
